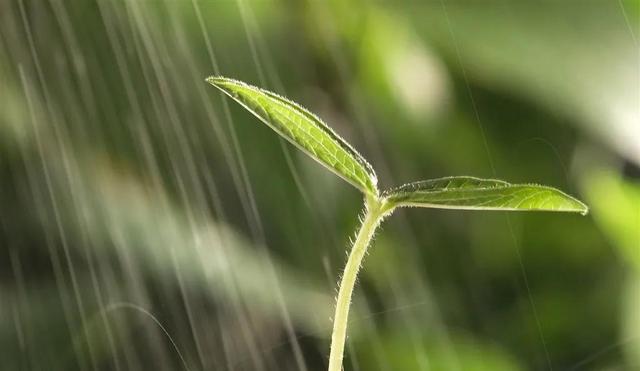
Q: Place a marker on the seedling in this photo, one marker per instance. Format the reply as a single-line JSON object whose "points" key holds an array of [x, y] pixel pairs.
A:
{"points": [[309, 133]]}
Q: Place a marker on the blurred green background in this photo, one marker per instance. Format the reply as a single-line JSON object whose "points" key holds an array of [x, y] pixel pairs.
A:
{"points": [[148, 224]]}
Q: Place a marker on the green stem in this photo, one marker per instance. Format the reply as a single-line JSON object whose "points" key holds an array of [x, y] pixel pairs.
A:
{"points": [[375, 212]]}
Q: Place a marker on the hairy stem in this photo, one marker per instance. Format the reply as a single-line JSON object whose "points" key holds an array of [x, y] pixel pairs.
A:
{"points": [[375, 212]]}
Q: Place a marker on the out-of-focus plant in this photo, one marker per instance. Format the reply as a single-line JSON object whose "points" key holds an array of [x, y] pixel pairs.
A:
{"points": [[619, 217], [309, 133], [619, 214]]}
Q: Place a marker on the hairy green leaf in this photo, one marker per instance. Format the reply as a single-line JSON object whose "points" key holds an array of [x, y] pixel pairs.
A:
{"points": [[469, 193], [303, 129]]}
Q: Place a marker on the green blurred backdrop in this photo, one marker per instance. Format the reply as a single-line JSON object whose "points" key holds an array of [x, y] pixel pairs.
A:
{"points": [[147, 224]]}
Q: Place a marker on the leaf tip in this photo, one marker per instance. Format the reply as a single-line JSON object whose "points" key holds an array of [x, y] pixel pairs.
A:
{"points": [[216, 80], [585, 209], [576, 205]]}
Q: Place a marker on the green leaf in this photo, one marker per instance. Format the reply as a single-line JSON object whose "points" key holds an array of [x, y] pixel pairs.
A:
{"points": [[469, 193], [305, 130]]}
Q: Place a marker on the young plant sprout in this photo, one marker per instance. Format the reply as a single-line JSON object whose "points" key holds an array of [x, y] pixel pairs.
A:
{"points": [[309, 133]]}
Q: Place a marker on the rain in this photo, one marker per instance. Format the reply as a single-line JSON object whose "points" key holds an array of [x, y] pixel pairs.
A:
{"points": [[147, 222]]}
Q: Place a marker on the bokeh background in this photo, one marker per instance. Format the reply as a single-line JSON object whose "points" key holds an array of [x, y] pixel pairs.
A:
{"points": [[148, 223]]}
